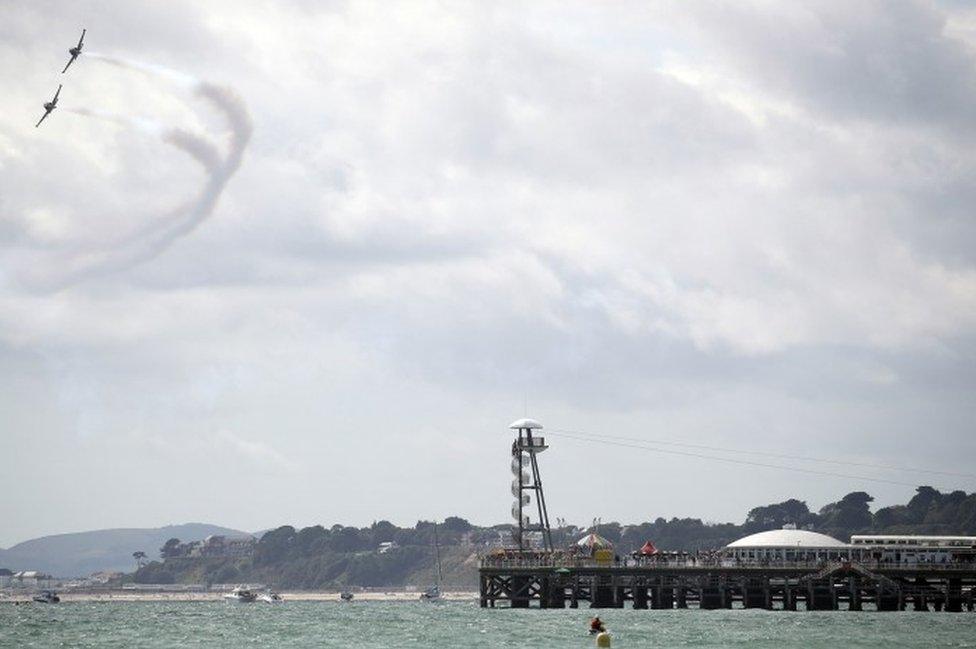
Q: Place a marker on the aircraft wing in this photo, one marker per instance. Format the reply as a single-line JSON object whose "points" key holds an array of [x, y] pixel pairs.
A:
{"points": [[80, 40], [43, 117], [57, 93], [70, 61]]}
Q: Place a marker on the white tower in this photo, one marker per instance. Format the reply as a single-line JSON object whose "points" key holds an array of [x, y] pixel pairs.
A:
{"points": [[525, 468]]}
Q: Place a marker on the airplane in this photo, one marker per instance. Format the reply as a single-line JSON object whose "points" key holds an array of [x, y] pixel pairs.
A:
{"points": [[49, 106], [75, 51]]}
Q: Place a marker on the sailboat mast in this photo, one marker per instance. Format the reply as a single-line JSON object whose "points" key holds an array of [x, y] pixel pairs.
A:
{"points": [[437, 553]]}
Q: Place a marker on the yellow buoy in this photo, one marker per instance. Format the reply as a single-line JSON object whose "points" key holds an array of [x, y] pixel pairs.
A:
{"points": [[603, 639]]}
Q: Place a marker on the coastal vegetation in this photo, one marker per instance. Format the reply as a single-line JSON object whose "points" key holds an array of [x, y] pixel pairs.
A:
{"points": [[385, 555], [80, 554]]}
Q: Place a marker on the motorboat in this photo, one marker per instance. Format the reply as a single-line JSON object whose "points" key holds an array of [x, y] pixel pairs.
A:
{"points": [[242, 595], [346, 596], [432, 594], [47, 597], [270, 597]]}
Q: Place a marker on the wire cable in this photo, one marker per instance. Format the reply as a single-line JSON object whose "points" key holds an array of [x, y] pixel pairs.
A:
{"points": [[730, 460], [766, 454]]}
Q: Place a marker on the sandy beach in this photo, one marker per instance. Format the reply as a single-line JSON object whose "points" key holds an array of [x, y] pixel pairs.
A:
{"points": [[300, 596]]}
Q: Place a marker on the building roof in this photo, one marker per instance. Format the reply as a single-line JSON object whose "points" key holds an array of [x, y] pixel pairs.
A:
{"points": [[594, 541], [524, 423], [913, 537], [648, 549], [787, 539]]}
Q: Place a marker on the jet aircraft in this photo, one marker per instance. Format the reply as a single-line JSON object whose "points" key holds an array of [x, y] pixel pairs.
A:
{"points": [[49, 106], [75, 51]]}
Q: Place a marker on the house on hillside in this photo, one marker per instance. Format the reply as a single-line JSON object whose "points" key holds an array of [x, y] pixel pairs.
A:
{"points": [[30, 579], [387, 546], [218, 545], [104, 577]]}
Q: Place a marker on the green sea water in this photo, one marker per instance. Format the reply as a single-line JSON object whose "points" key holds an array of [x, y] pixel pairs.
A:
{"points": [[459, 624]]}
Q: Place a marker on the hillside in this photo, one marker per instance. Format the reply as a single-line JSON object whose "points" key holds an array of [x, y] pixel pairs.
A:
{"points": [[82, 553], [320, 558], [339, 557]]}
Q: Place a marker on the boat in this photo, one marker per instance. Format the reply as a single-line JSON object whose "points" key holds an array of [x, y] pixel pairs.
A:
{"points": [[242, 595], [47, 597], [433, 594], [346, 596], [270, 597]]}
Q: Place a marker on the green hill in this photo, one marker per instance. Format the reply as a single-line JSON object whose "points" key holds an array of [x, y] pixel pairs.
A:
{"points": [[82, 553]]}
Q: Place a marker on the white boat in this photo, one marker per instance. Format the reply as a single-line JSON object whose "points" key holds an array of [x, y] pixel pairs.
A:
{"points": [[270, 597], [242, 595], [433, 594]]}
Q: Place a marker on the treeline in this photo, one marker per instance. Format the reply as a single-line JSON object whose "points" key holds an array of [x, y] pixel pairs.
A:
{"points": [[324, 558], [928, 512], [288, 543]]}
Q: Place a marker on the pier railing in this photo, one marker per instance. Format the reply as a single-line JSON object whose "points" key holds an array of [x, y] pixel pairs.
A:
{"points": [[557, 561]]}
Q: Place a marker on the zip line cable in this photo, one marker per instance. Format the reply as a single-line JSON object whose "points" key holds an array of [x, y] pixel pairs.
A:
{"points": [[765, 454], [731, 460]]}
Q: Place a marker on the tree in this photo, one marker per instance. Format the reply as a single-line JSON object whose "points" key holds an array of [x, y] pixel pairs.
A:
{"points": [[346, 539], [777, 515], [890, 517], [170, 549], [140, 558], [925, 498], [848, 515], [154, 573], [456, 524], [310, 540], [275, 545], [383, 531]]}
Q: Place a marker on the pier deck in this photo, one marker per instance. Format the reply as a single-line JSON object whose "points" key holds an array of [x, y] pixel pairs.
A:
{"points": [[558, 583]]}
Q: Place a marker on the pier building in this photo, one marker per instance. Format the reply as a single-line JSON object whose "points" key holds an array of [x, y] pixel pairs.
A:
{"points": [[788, 544]]}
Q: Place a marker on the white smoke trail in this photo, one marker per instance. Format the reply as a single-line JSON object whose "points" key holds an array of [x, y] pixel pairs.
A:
{"points": [[196, 146], [199, 148], [153, 69], [159, 233], [144, 124], [165, 232]]}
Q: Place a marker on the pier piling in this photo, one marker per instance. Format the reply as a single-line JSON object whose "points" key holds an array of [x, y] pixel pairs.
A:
{"points": [[658, 586]]}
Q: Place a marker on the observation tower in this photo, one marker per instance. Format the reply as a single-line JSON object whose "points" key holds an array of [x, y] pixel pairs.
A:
{"points": [[525, 468]]}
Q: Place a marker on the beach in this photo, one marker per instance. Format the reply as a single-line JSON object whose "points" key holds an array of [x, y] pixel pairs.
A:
{"points": [[123, 595]]}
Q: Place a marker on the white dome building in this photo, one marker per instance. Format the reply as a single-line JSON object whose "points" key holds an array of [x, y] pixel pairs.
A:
{"points": [[788, 545]]}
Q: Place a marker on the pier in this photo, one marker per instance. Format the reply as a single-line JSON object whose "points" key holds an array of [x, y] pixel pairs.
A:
{"points": [[552, 581], [786, 569]]}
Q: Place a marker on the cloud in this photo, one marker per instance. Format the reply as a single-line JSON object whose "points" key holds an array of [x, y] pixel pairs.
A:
{"points": [[750, 223]]}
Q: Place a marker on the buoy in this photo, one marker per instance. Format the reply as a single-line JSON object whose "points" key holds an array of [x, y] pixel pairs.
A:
{"points": [[603, 639]]}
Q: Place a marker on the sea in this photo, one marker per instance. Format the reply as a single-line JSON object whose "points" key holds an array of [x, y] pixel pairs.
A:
{"points": [[133, 625]]}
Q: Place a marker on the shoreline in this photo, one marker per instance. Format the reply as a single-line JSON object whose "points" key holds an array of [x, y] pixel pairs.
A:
{"points": [[217, 596]]}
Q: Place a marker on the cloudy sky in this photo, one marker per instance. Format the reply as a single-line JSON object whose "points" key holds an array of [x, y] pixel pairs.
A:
{"points": [[321, 294]]}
